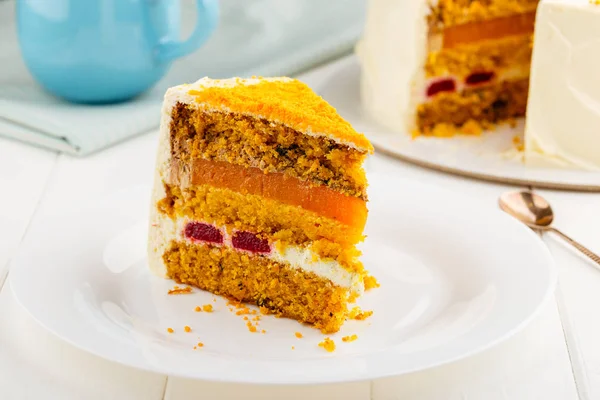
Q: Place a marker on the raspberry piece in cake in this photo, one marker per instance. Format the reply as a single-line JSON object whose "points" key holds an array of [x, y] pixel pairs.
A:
{"points": [[203, 232], [250, 242], [442, 85], [479, 78]]}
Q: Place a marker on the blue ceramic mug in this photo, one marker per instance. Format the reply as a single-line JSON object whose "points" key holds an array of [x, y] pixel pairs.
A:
{"points": [[104, 51]]}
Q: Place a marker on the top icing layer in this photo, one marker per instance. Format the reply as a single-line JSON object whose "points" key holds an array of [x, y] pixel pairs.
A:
{"points": [[284, 100]]}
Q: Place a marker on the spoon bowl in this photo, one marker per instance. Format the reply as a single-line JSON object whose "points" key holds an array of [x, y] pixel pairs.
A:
{"points": [[528, 207]]}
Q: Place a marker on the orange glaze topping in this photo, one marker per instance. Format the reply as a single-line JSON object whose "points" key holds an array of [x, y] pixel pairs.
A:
{"points": [[288, 101]]}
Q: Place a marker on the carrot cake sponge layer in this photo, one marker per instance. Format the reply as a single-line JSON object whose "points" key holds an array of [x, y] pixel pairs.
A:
{"points": [[260, 194]]}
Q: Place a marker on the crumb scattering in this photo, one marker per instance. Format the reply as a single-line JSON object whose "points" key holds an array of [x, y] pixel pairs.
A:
{"points": [[363, 315], [350, 338], [187, 328], [207, 308], [251, 327], [170, 330], [298, 335], [178, 290], [371, 282], [200, 344], [243, 310], [197, 309], [328, 345], [357, 314], [293, 348]]}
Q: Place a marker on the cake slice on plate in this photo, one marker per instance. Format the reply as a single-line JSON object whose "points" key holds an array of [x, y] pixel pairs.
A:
{"points": [[260, 195]]}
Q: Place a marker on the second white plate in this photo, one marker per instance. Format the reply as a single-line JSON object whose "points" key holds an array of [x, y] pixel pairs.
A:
{"points": [[491, 156], [456, 278]]}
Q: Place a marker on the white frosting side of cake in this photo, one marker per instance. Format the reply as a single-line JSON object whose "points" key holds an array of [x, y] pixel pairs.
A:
{"points": [[392, 53], [297, 257], [563, 113], [161, 228], [181, 94]]}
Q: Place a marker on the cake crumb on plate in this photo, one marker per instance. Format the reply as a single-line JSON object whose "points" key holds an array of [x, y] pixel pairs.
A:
{"points": [[178, 290], [350, 338], [328, 345], [357, 314]]}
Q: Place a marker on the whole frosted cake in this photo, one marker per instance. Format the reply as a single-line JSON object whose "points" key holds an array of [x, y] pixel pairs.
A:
{"points": [[260, 195], [443, 67], [437, 67]]}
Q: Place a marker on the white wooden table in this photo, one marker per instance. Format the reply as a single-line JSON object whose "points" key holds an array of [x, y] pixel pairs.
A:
{"points": [[556, 357]]}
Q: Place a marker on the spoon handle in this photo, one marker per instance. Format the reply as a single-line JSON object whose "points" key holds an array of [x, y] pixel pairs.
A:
{"points": [[593, 256]]}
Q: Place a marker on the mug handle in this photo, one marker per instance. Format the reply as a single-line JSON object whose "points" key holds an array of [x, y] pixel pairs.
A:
{"points": [[208, 16]]}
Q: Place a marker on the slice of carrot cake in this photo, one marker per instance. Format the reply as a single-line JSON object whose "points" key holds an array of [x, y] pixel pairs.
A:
{"points": [[260, 195]]}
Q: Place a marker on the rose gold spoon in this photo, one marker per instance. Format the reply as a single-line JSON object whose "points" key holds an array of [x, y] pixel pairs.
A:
{"points": [[535, 212]]}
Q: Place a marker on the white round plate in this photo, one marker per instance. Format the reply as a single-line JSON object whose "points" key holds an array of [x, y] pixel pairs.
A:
{"points": [[456, 278], [491, 156]]}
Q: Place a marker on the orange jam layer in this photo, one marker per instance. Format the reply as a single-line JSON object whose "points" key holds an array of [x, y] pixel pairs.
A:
{"points": [[498, 28], [351, 211]]}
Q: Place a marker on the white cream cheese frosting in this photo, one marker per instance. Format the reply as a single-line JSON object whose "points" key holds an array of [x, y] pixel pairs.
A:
{"points": [[563, 113], [392, 53]]}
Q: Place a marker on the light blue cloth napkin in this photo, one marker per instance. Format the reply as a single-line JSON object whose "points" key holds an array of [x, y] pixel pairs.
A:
{"points": [[255, 37]]}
